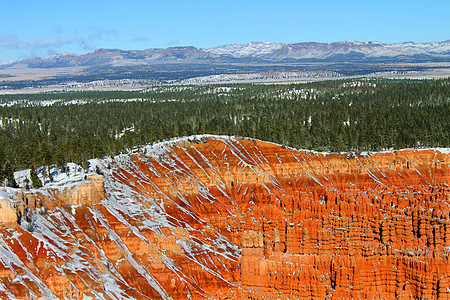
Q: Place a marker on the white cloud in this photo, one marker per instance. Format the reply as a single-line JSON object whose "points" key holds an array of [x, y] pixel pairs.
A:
{"points": [[14, 48], [12, 41], [9, 41]]}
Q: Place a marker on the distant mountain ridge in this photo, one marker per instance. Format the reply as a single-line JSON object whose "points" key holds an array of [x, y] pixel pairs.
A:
{"points": [[118, 57], [326, 50], [254, 52]]}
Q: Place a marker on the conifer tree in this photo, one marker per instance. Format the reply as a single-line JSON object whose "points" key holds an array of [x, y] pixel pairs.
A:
{"points": [[35, 181], [11, 181]]}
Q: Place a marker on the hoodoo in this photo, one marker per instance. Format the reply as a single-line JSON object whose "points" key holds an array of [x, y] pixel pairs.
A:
{"points": [[212, 217]]}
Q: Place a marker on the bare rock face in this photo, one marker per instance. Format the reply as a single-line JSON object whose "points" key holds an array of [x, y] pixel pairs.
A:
{"points": [[7, 214], [91, 191], [229, 218]]}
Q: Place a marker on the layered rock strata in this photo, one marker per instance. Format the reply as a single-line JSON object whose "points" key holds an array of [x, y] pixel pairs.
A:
{"points": [[231, 218]]}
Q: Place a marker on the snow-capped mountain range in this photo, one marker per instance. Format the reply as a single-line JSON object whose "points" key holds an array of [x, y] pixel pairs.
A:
{"points": [[254, 52], [253, 49], [175, 64], [312, 50]]}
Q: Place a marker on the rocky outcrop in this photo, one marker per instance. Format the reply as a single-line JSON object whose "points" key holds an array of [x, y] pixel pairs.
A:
{"points": [[219, 217], [8, 215], [87, 191]]}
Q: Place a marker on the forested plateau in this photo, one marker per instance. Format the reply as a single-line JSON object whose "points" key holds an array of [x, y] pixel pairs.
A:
{"points": [[334, 116]]}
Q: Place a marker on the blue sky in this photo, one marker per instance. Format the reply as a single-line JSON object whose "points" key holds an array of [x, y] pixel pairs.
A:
{"points": [[42, 28]]}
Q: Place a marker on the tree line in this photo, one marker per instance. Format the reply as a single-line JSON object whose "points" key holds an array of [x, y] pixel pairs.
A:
{"points": [[358, 115]]}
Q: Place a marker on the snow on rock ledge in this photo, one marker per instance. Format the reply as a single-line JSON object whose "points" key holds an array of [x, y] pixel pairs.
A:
{"points": [[17, 204]]}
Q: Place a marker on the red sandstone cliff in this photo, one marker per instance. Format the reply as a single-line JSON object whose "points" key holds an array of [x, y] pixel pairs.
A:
{"points": [[229, 218]]}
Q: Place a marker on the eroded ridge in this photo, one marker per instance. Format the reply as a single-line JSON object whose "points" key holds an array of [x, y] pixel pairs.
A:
{"points": [[216, 217]]}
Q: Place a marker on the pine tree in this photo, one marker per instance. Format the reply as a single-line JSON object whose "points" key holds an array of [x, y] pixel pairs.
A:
{"points": [[11, 181], [3, 172], [35, 181]]}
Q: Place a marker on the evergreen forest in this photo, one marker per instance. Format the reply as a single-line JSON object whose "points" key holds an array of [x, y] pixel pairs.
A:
{"points": [[348, 115]]}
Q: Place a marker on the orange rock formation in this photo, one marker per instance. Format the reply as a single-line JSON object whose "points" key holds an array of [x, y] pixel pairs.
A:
{"points": [[229, 218]]}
